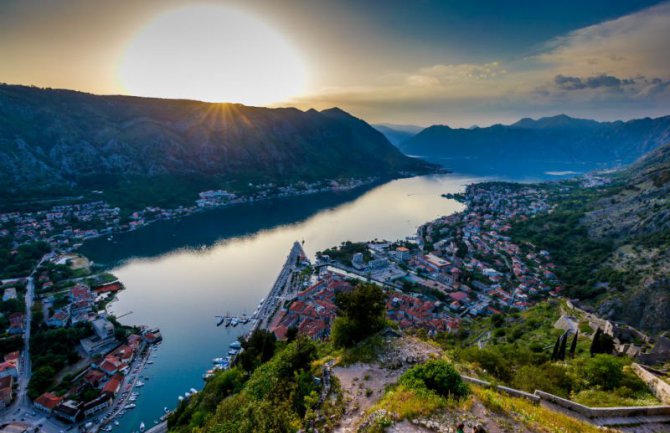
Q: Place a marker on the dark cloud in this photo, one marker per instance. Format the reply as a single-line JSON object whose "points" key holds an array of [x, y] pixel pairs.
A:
{"points": [[564, 82]]}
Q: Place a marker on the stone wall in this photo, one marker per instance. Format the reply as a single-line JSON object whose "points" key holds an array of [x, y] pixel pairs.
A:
{"points": [[660, 388], [585, 411], [604, 412]]}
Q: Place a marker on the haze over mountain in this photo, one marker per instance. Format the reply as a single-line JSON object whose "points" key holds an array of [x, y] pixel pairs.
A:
{"points": [[396, 134], [60, 141], [550, 139]]}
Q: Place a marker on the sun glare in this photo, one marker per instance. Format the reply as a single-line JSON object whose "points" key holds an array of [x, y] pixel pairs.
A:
{"points": [[214, 54]]}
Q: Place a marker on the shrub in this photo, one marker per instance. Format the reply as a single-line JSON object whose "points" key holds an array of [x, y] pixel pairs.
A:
{"points": [[604, 371], [438, 376]]}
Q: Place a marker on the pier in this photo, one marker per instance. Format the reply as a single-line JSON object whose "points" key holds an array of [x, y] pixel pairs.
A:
{"points": [[286, 285]]}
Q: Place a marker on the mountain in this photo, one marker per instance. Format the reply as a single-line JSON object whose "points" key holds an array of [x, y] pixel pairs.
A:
{"points": [[635, 215], [397, 134], [611, 241], [551, 139], [55, 142]]}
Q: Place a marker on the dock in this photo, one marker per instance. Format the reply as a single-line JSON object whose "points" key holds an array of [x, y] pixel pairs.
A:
{"points": [[285, 287]]}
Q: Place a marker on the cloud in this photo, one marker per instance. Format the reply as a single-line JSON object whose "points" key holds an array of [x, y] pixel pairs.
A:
{"points": [[599, 81], [620, 67]]}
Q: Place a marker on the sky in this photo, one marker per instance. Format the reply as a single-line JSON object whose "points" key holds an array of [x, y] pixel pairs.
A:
{"points": [[420, 62]]}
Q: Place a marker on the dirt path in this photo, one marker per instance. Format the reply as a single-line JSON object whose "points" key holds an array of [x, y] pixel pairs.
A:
{"points": [[364, 384]]}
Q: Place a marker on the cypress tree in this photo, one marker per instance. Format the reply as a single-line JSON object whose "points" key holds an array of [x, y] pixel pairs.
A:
{"points": [[595, 343], [573, 345], [564, 343], [554, 354]]}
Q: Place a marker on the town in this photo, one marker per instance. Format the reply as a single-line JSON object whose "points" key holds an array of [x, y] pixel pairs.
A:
{"points": [[456, 268], [66, 360], [66, 226]]}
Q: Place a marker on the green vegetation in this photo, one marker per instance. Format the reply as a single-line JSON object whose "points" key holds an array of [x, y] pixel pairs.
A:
{"points": [[437, 376], [51, 351], [345, 252], [277, 397], [20, 262], [537, 418], [566, 238], [522, 358], [258, 349], [361, 313]]}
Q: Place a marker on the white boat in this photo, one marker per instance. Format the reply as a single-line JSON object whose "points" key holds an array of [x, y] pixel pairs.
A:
{"points": [[234, 321], [116, 422], [235, 344], [139, 384], [233, 352], [142, 427], [130, 406], [218, 360], [166, 410], [193, 391], [180, 398]]}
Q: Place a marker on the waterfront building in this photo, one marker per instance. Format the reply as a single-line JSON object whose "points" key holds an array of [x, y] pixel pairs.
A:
{"points": [[47, 402]]}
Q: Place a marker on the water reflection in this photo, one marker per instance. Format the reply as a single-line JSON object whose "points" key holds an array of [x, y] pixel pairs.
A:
{"points": [[180, 274]]}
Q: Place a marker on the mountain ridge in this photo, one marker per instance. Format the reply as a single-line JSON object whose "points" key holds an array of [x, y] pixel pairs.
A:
{"points": [[86, 141], [555, 138]]}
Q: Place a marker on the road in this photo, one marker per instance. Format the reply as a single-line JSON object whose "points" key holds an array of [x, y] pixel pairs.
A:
{"points": [[22, 409]]}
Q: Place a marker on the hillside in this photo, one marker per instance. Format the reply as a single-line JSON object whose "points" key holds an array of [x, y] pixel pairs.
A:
{"points": [[60, 142], [551, 139], [612, 242], [397, 134]]}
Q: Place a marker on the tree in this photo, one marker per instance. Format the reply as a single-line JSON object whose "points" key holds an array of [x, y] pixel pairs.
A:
{"points": [[258, 349], [561, 348], [554, 353], [573, 345], [291, 333], [602, 343], [360, 313], [595, 343]]}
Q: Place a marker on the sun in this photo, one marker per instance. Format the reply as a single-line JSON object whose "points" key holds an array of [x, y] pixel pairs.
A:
{"points": [[212, 53]]}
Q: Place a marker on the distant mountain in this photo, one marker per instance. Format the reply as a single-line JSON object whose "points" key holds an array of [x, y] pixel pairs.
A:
{"points": [[397, 134], [551, 139], [55, 142]]}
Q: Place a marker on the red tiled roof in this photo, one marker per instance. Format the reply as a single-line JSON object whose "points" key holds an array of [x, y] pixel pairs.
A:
{"points": [[113, 385], [48, 400]]}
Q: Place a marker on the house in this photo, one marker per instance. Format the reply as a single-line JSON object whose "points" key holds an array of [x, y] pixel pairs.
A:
{"points": [[103, 329], [47, 402], [8, 294], [16, 323], [6, 392], [59, 318], [94, 406], [69, 411], [113, 385], [8, 368], [94, 377]]}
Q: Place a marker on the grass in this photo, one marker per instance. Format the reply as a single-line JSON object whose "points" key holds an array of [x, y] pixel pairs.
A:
{"points": [[408, 403], [536, 418], [616, 398]]}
